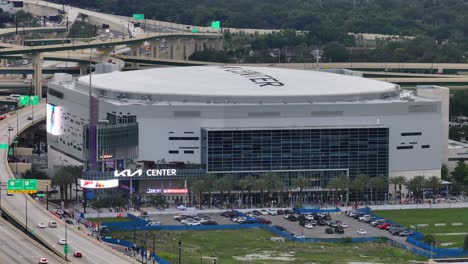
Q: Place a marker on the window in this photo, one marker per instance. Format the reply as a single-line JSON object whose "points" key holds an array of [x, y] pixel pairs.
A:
{"points": [[425, 146], [173, 152], [404, 147], [189, 132], [188, 152], [411, 134], [184, 138]]}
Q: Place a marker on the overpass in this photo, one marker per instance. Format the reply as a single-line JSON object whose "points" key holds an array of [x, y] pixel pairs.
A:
{"points": [[47, 70], [14, 206], [179, 45]]}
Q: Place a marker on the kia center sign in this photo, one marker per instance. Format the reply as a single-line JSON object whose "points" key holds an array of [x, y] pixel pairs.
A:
{"points": [[146, 173], [167, 191], [104, 184]]}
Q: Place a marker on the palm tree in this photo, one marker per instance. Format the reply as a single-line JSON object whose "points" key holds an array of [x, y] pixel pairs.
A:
{"points": [[360, 184], [229, 185], [210, 180], [245, 184], [300, 182], [434, 183], [397, 181], [199, 186], [339, 183], [416, 184], [261, 184], [379, 183]]}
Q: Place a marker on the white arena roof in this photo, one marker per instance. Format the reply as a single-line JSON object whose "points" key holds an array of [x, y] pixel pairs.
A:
{"points": [[232, 83]]}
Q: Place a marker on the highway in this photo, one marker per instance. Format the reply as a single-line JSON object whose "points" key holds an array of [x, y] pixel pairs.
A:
{"points": [[16, 247], [94, 252]]}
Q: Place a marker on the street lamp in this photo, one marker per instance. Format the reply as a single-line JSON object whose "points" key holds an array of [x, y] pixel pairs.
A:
{"points": [[180, 251], [66, 241]]}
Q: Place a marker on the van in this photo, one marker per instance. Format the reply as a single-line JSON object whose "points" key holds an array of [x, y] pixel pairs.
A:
{"points": [[14, 96]]}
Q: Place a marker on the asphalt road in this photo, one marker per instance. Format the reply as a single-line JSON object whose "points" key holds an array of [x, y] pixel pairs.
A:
{"points": [[16, 247], [93, 252]]}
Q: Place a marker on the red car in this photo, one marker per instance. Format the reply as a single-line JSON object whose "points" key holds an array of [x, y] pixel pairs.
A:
{"points": [[78, 254], [384, 226], [264, 221]]}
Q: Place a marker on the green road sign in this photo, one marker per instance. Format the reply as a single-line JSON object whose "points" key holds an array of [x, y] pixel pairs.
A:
{"points": [[24, 100], [11, 152], [15, 141], [3, 146], [34, 100], [194, 30], [40, 195], [15, 185], [108, 237], [215, 24], [138, 16], [22, 186], [66, 249]]}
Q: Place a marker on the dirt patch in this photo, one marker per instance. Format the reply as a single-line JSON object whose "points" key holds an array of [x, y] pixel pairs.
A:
{"points": [[267, 255]]}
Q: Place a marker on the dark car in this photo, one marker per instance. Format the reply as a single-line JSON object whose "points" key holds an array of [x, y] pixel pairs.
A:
{"points": [[263, 221], [333, 224], [357, 215], [321, 223], [70, 222], [327, 217], [301, 218], [405, 232], [280, 212], [396, 230], [257, 213], [280, 228], [339, 230], [329, 231], [209, 222], [287, 211], [292, 218], [370, 219], [303, 222]]}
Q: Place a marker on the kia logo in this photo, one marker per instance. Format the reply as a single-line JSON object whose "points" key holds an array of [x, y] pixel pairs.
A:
{"points": [[128, 173]]}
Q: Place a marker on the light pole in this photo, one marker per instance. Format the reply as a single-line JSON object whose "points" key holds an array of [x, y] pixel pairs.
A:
{"points": [[180, 251], [26, 204], [154, 251], [47, 197], [66, 241]]}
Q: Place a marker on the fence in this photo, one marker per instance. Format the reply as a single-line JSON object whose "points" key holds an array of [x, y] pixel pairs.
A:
{"points": [[129, 244], [315, 210]]}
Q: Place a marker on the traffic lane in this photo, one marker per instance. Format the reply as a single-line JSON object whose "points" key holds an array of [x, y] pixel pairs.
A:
{"points": [[92, 252], [15, 247]]}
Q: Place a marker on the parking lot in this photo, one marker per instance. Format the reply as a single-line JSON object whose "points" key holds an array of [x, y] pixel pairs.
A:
{"points": [[295, 228]]}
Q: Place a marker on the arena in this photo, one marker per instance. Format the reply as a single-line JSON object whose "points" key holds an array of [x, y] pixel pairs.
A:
{"points": [[202, 120]]}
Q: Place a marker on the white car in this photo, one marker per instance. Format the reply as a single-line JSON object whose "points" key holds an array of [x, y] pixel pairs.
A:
{"points": [[361, 232], [62, 241], [272, 212], [344, 225], [309, 217], [309, 226], [41, 225], [192, 223], [299, 236], [364, 217], [264, 212], [286, 216]]}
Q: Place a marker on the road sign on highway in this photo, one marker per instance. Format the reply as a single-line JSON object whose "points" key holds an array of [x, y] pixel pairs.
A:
{"points": [[194, 30], [34, 100], [3, 146], [15, 141], [40, 195], [139, 16], [215, 24], [24, 100], [22, 186], [11, 152], [66, 249]]}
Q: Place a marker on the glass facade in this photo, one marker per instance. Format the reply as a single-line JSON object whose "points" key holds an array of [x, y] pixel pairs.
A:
{"points": [[359, 150]]}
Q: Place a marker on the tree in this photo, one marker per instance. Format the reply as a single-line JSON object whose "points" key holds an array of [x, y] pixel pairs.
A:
{"points": [[339, 183], [416, 184], [65, 177], [244, 184], [300, 182], [335, 52], [229, 184], [397, 181], [360, 184], [199, 186], [379, 183], [444, 172], [460, 173], [210, 180], [434, 183], [261, 184], [35, 174]]}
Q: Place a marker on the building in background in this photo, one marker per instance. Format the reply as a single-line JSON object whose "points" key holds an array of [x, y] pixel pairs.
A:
{"points": [[159, 127]]}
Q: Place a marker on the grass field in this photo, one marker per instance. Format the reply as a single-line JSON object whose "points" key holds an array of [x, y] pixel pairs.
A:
{"points": [[431, 217], [109, 219], [254, 246]]}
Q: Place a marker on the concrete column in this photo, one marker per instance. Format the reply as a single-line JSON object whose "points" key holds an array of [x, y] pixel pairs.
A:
{"points": [[135, 52], [37, 76], [4, 63], [83, 69]]}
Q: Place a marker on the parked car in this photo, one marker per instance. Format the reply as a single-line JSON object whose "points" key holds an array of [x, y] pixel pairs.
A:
{"points": [[329, 230], [209, 222], [361, 232], [154, 223], [292, 218], [327, 217], [321, 223], [288, 211], [339, 230], [370, 219], [395, 230], [385, 225], [263, 212], [272, 212], [406, 232], [263, 221], [377, 222], [257, 213], [344, 225], [309, 225], [280, 212], [364, 217]]}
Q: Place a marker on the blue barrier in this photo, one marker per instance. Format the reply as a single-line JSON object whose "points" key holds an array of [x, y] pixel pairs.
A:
{"points": [[137, 219], [129, 244], [315, 210]]}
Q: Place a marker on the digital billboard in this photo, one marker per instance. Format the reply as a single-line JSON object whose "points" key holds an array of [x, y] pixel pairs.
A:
{"points": [[92, 184], [54, 119]]}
